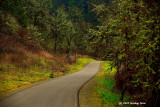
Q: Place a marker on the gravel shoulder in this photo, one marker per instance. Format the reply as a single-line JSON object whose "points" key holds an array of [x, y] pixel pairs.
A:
{"points": [[88, 96]]}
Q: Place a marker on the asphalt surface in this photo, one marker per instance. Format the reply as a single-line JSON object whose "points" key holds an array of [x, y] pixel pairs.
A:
{"points": [[59, 92]]}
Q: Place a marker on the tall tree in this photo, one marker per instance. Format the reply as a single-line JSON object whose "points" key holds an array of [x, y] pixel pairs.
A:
{"points": [[133, 24], [58, 25]]}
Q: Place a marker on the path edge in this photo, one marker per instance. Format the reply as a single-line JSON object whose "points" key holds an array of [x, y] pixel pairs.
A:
{"points": [[78, 93]]}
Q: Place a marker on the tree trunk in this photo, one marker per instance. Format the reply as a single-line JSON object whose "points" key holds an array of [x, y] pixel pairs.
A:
{"points": [[55, 44], [123, 91], [126, 66], [69, 56], [76, 55], [68, 51]]}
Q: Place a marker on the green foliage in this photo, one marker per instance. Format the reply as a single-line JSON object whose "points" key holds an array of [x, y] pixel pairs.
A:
{"points": [[106, 86], [44, 25], [39, 13], [127, 32], [10, 23], [129, 29], [81, 62], [51, 76], [17, 9]]}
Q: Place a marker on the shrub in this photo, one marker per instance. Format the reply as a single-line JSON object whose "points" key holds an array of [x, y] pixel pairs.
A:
{"points": [[51, 76]]}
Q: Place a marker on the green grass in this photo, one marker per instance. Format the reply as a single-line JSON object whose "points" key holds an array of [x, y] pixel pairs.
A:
{"points": [[81, 62], [105, 89], [32, 70], [13, 76]]}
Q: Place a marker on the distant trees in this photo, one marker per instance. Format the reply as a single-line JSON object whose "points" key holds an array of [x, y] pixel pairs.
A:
{"points": [[16, 8], [69, 37], [58, 23], [10, 9], [45, 26], [80, 27]]}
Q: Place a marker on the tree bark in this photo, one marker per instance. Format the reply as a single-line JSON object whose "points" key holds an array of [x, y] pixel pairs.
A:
{"points": [[68, 51], [123, 91], [76, 55], [55, 44]]}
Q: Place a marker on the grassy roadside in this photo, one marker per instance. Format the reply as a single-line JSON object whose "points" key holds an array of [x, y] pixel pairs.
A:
{"points": [[100, 90], [16, 76], [106, 86], [81, 62]]}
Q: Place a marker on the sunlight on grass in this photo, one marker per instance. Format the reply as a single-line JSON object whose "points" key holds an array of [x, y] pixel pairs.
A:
{"points": [[32, 70], [106, 90], [81, 62], [13, 76]]}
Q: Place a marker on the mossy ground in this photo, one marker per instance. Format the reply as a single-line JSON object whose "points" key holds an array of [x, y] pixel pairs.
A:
{"points": [[15, 76]]}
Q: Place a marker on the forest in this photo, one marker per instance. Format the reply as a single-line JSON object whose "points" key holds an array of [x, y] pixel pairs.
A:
{"points": [[124, 32]]}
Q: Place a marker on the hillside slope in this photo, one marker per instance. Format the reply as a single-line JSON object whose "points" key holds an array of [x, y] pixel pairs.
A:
{"points": [[23, 64]]}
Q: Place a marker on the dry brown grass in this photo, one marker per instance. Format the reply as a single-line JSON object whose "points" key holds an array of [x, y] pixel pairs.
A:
{"points": [[22, 64], [15, 52]]}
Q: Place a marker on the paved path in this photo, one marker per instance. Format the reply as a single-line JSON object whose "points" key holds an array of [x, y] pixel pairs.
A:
{"points": [[60, 92]]}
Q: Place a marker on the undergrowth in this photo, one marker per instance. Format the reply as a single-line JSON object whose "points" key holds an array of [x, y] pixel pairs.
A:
{"points": [[106, 86], [15, 76], [81, 62]]}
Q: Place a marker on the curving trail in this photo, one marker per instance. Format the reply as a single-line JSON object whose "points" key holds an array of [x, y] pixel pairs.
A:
{"points": [[59, 92]]}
